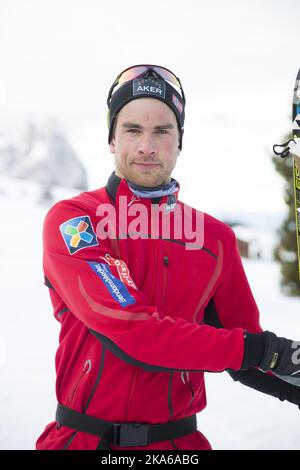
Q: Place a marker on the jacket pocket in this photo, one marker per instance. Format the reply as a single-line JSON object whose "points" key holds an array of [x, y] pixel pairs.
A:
{"points": [[185, 377], [80, 380]]}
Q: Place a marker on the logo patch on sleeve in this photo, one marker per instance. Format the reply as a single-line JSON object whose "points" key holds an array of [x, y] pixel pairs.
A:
{"points": [[115, 286], [122, 268], [78, 233]]}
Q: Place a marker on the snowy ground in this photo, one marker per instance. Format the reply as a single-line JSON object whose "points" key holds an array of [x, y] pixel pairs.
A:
{"points": [[236, 417]]}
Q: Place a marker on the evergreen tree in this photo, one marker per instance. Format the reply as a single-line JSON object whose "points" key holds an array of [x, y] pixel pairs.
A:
{"points": [[286, 250]]}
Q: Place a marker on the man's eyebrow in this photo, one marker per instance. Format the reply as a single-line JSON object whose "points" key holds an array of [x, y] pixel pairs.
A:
{"points": [[131, 125], [168, 125]]}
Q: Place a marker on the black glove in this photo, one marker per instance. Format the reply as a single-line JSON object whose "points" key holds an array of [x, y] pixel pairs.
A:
{"points": [[269, 352], [267, 383]]}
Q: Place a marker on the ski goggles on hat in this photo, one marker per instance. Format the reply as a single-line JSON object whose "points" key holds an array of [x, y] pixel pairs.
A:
{"points": [[137, 71]]}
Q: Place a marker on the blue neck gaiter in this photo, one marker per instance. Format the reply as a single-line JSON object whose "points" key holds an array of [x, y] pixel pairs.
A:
{"points": [[158, 191]]}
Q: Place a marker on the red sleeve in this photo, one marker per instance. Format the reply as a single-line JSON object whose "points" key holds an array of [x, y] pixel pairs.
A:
{"points": [[108, 303], [234, 301]]}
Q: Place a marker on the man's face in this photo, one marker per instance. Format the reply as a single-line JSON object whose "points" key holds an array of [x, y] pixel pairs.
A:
{"points": [[146, 142]]}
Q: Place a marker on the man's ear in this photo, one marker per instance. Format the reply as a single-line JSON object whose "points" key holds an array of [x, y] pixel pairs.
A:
{"points": [[112, 146]]}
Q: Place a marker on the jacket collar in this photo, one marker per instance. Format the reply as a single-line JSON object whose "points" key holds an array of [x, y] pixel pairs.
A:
{"points": [[117, 186]]}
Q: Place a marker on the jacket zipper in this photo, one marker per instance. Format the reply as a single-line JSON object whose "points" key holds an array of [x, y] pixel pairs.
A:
{"points": [[151, 298], [155, 271], [131, 391], [165, 279], [187, 382], [86, 369], [170, 396], [89, 363]]}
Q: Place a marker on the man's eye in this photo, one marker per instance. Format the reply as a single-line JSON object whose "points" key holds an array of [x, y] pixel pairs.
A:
{"points": [[133, 131], [162, 131]]}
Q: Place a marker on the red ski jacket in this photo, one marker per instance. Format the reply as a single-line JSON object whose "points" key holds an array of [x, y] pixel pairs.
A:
{"points": [[134, 345]]}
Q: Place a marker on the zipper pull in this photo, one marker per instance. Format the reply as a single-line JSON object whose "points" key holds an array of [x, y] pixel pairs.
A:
{"points": [[166, 260], [88, 365], [185, 376]]}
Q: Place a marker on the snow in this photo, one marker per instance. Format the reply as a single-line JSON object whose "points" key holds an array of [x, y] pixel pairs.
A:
{"points": [[236, 417]]}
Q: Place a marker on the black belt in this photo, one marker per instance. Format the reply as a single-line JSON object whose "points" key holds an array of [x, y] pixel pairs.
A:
{"points": [[125, 434]]}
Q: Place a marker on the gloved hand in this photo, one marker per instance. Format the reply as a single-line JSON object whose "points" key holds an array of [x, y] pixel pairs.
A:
{"points": [[267, 351], [291, 380]]}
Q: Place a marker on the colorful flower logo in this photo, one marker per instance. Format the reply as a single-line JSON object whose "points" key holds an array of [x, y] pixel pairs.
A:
{"points": [[78, 233]]}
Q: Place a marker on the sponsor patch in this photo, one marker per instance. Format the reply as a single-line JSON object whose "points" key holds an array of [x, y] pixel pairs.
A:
{"points": [[122, 268], [115, 287], [149, 86], [78, 233]]}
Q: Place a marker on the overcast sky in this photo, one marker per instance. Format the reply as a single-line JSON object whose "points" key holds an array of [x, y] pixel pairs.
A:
{"points": [[237, 60]]}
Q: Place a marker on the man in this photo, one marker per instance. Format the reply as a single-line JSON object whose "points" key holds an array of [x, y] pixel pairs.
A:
{"points": [[146, 302]]}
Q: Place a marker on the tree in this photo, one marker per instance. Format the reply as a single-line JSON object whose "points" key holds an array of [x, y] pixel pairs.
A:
{"points": [[286, 250]]}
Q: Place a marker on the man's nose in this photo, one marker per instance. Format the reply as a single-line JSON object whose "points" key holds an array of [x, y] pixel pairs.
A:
{"points": [[147, 145]]}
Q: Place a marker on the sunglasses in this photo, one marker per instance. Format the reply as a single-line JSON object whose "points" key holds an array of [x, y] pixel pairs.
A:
{"points": [[137, 71]]}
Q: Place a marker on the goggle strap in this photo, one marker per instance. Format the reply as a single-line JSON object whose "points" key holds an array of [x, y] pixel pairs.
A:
{"points": [[151, 68]]}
